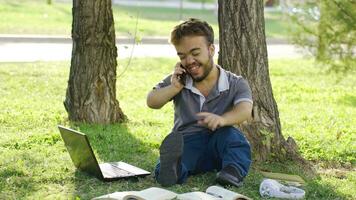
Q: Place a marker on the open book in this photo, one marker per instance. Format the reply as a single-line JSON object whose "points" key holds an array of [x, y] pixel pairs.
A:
{"points": [[290, 179], [154, 193], [213, 193]]}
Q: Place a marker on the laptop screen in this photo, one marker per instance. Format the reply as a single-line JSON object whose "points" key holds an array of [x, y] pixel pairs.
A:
{"points": [[80, 151]]}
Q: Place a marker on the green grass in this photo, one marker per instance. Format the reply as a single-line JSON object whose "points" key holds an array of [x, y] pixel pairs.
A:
{"points": [[36, 17], [318, 112]]}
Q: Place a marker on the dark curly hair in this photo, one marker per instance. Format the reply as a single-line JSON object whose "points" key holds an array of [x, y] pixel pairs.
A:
{"points": [[192, 27]]}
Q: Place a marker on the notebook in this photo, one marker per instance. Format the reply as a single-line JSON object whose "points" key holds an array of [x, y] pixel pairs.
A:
{"points": [[83, 158]]}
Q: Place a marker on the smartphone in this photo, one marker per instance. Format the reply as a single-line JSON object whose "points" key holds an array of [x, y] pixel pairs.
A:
{"points": [[183, 76]]}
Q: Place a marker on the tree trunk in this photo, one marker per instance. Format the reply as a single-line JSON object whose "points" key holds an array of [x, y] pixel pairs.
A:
{"points": [[243, 51], [91, 92]]}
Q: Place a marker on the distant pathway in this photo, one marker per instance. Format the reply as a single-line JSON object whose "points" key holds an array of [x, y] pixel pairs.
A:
{"points": [[167, 4], [170, 4], [29, 52]]}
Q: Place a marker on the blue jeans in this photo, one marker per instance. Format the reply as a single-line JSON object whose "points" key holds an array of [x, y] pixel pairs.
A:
{"points": [[209, 151]]}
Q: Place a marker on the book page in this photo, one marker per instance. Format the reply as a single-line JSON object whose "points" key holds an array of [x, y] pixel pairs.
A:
{"points": [[196, 196], [152, 193], [115, 196], [283, 177], [225, 194]]}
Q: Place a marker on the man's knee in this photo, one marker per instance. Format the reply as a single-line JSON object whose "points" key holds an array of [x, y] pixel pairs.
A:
{"points": [[231, 134], [233, 148]]}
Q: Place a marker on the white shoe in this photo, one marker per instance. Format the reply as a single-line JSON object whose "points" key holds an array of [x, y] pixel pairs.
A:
{"points": [[272, 188]]}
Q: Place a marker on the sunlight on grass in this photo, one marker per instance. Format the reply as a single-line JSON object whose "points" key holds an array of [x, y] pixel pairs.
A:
{"points": [[311, 111], [314, 109]]}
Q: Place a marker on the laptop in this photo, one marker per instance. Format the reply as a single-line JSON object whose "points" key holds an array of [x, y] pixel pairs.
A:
{"points": [[83, 157]]}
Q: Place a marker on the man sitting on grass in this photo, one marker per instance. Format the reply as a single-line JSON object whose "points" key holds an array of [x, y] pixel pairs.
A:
{"points": [[208, 101]]}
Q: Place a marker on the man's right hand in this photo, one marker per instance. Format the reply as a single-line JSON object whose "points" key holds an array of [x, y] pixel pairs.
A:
{"points": [[177, 75], [159, 97]]}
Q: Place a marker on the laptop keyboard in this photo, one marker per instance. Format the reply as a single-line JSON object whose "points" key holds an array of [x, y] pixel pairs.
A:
{"points": [[112, 170], [120, 171]]}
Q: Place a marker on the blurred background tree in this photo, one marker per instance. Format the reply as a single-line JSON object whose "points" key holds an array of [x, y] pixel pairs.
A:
{"points": [[327, 28]]}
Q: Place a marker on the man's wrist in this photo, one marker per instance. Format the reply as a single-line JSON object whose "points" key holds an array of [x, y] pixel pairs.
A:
{"points": [[176, 88], [223, 121]]}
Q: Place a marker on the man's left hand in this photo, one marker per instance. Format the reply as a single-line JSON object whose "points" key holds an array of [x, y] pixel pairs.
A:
{"points": [[210, 120]]}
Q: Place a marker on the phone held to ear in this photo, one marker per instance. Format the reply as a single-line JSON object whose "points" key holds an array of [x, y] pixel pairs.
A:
{"points": [[183, 76]]}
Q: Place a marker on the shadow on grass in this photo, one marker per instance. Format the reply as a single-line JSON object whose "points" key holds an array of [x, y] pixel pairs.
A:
{"points": [[113, 143], [116, 142], [13, 4], [349, 100], [16, 180], [315, 188]]}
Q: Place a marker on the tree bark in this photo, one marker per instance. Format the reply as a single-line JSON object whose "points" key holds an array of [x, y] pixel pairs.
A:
{"points": [[91, 92], [243, 51]]}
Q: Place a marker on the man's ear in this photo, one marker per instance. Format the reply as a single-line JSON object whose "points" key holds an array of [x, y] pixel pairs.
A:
{"points": [[212, 49]]}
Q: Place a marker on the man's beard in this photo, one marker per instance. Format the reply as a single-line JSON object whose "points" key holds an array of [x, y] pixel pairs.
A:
{"points": [[207, 67]]}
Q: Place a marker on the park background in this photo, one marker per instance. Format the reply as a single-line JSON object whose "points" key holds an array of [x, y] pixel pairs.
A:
{"points": [[317, 108]]}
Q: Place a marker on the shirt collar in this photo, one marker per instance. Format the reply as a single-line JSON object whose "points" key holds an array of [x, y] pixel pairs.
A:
{"points": [[223, 82]]}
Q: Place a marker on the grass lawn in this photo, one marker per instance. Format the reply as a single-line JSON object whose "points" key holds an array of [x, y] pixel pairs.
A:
{"points": [[36, 17], [318, 112]]}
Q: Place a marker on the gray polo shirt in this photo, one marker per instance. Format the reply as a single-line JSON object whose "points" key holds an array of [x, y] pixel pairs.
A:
{"points": [[229, 91]]}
